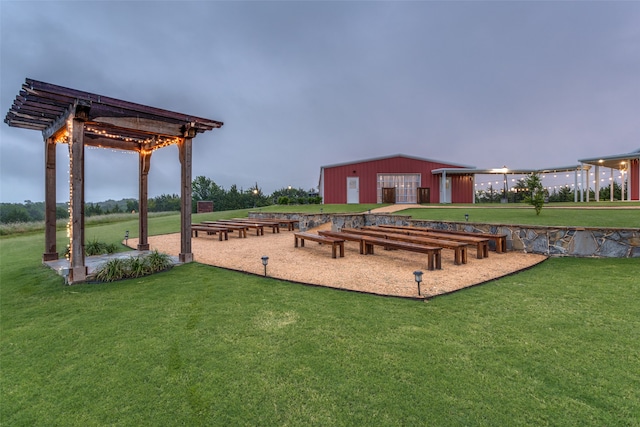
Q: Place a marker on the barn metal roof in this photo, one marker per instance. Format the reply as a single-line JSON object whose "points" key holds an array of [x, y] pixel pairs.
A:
{"points": [[109, 122], [616, 161], [394, 156]]}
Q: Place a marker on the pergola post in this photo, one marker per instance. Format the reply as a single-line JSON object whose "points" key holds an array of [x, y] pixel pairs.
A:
{"points": [[77, 270], [143, 183], [50, 252], [185, 153]]}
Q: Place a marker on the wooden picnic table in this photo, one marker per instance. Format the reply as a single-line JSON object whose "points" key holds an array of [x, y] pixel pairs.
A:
{"points": [[459, 248], [482, 244]]}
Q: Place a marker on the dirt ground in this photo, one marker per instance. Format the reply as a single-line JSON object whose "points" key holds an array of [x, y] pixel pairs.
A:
{"points": [[383, 273]]}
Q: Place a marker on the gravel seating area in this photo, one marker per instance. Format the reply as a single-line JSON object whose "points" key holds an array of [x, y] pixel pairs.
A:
{"points": [[384, 273]]}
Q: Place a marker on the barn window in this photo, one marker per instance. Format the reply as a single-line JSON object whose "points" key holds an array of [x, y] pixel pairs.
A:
{"points": [[406, 186]]}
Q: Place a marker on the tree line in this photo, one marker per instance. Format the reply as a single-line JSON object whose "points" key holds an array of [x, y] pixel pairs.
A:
{"points": [[204, 189]]}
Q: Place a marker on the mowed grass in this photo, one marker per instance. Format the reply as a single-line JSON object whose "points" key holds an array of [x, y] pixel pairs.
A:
{"points": [[550, 216], [554, 345]]}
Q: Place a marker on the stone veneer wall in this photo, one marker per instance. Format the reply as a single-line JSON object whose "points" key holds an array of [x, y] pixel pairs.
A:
{"points": [[558, 241], [305, 221]]}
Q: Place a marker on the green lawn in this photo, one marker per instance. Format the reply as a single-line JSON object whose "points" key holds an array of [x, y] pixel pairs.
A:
{"points": [[592, 217], [555, 345]]}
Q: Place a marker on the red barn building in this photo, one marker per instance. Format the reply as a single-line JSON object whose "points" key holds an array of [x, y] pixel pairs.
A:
{"points": [[395, 179]]}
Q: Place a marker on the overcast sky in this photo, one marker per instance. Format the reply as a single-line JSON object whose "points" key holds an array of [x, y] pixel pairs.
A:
{"points": [[300, 85]]}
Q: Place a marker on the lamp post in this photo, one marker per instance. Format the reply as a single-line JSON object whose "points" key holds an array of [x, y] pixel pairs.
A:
{"points": [[255, 197], [418, 277], [265, 261]]}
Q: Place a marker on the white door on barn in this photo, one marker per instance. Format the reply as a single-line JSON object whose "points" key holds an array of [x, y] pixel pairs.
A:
{"points": [[353, 189]]}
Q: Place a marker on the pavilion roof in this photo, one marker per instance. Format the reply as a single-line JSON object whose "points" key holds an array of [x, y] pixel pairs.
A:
{"points": [[109, 122]]}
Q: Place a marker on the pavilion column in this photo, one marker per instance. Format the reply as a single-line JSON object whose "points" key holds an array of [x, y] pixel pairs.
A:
{"points": [[443, 188], [50, 252], [473, 189], [77, 268], [597, 183], [185, 153], [611, 186], [143, 228], [575, 186]]}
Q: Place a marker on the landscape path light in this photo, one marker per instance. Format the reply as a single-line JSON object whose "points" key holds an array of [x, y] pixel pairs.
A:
{"points": [[466, 217], [265, 261], [126, 238], [418, 277]]}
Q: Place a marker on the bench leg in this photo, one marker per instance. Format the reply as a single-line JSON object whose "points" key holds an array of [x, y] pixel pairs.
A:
{"points": [[333, 250], [480, 253], [464, 255], [295, 245], [430, 261], [485, 250], [457, 258], [341, 249], [438, 257]]}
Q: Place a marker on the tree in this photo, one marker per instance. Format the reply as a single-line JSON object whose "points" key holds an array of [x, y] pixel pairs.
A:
{"points": [[204, 189], [535, 197], [13, 212], [132, 205]]}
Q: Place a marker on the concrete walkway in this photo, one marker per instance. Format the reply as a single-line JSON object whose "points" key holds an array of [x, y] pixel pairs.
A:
{"points": [[397, 207]]}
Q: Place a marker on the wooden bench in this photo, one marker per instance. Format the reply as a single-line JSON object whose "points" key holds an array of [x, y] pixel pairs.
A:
{"points": [[459, 248], [500, 240], [241, 229], [346, 236], [258, 227], [482, 244], [221, 232], [434, 254], [334, 242]]}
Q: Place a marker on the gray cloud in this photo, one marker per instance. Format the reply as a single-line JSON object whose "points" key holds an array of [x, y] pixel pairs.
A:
{"points": [[304, 84]]}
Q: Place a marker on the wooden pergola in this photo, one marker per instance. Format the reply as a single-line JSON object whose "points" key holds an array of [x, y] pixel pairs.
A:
{"points": [[82, 119]]}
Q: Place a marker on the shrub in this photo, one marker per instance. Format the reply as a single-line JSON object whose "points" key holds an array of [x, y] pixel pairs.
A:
{"points": [[94, 247], [158, 261], [131, 267], [136, 267], [283, 200], [112, 270]]}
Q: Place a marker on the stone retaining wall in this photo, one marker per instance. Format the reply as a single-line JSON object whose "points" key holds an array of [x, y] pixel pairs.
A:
{"points": [[555, 241]]}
